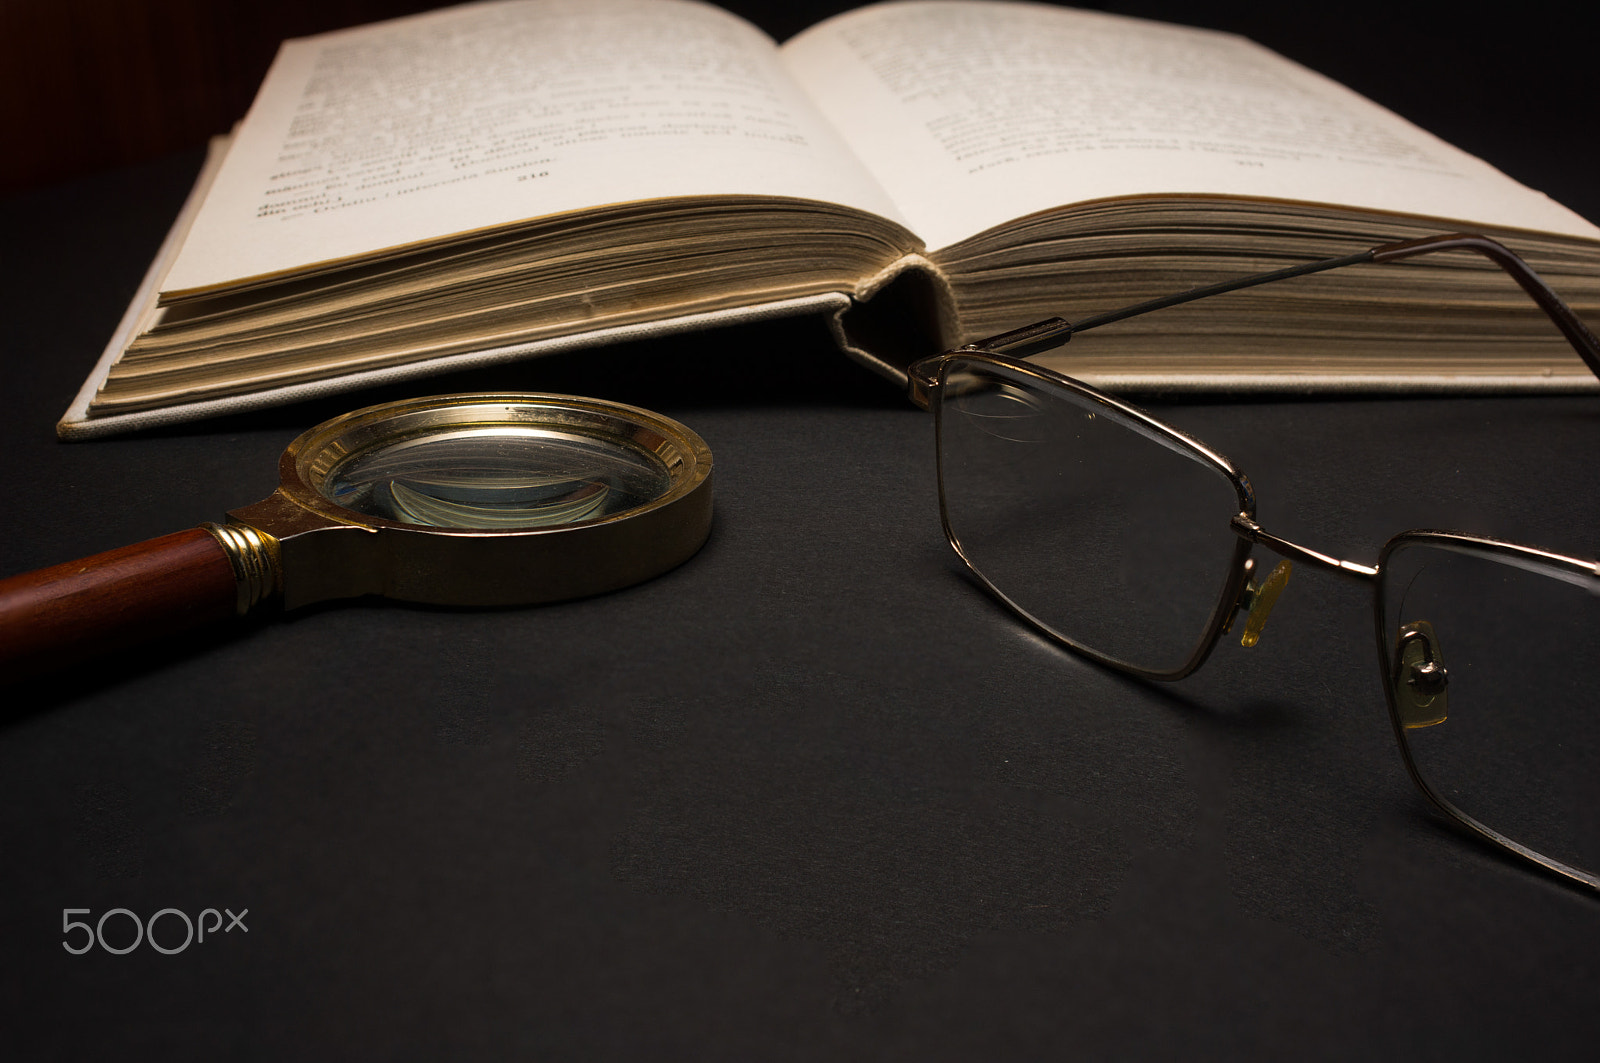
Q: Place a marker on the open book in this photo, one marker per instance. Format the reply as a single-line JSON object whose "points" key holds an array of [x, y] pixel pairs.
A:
{"points": [[501, 179]]}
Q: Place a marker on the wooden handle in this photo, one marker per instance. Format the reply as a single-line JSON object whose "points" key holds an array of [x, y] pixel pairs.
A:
{"points": [[113, 600]]}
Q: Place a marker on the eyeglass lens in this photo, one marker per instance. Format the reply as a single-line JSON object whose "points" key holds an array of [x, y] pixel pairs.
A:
{"points": [[1112, 536], [1493, 667]]}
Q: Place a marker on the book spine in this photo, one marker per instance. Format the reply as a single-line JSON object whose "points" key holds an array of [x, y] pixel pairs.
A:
{"points": [[902, 313]]}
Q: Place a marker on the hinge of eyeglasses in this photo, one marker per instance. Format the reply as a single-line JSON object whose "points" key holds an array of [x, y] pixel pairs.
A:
{"points": [[1257, 599], [1030, 339], [1018, 343]]}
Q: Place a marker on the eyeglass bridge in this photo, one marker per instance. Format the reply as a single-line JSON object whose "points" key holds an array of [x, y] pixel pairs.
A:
{"points": [[1245, 526], [1257, 599]]}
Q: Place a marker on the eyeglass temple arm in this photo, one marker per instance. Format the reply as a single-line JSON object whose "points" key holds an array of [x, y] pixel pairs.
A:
{"points": [[1572, 327], [1048, 335]]}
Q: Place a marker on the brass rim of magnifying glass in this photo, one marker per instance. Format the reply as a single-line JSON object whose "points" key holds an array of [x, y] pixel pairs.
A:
{"points": [[299, 547]]}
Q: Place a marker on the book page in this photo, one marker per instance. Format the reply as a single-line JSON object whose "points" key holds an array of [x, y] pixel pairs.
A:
{"points": [[974, 113], [483, 115]]}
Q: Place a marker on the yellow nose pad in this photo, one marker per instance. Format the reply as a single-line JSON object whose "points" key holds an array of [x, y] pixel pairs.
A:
{"points": [[1420, 680], [1259, 598]]}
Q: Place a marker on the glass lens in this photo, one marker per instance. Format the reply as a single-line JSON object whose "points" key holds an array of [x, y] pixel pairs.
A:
{"points": [[1494, 663], [1108, 533], [497, 477]]}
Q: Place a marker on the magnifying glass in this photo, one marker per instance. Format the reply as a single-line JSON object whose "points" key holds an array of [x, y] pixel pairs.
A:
{"points": [[466, 500]]}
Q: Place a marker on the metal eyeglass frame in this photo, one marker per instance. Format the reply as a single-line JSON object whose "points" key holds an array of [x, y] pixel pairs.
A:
{"points": [[1009, 350]]}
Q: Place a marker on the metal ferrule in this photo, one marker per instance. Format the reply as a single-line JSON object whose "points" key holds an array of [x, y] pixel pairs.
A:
{"points": [[254, 557]]}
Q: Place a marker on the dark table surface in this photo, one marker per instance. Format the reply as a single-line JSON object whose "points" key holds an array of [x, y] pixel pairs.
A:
{"points": [[811, 795]]}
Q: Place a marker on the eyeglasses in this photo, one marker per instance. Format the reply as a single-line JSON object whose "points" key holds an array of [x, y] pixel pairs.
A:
{"points": [[1131, 543]]}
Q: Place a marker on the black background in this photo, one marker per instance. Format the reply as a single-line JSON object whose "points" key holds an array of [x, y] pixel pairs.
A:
{"points": [[812, 795]]}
